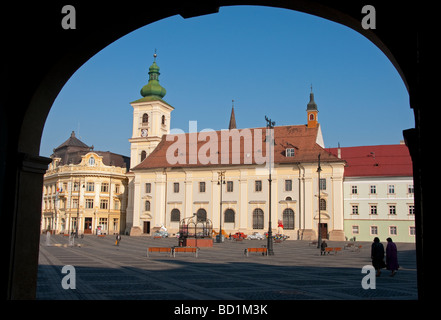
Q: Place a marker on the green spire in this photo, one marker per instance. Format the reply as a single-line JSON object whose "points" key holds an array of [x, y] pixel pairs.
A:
{"points": [[153, 89]]}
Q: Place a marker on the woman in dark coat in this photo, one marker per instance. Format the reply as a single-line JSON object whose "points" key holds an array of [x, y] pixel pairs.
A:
{"points": [[391, 257], [377, 255]]}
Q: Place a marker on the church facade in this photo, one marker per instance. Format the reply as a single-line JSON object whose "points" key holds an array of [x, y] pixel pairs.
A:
{"points": [[223, 175]]}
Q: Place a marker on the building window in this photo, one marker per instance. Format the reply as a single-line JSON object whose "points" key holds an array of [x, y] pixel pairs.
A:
{"points": [[229, 186], [373, 209], [163, 119], [290, 152], [322, 184], [412, 231], [391, 189], [201, 215], [258, 218], [410, 189], [374, 230], [117, 186], [258, 185], [288, 185], [355, 230], [145, 118], [74, 203], [90, 186], [76, 186], [393, 230], [89, 203], [355, 209], [175, 215], [91, 161], [116, 204], [354, 189], [105, 187], [103, 223], [176, 187], [373, 189], [143, 155], [148, 187], [392, 209], [202, 187], [288, 219], [411, 209], [104, 204], [322, 204], [229, 216], [147, 205]]}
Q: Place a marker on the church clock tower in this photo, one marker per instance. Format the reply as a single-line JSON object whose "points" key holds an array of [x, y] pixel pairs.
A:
{"points": [[151, 118], [311, 111]]}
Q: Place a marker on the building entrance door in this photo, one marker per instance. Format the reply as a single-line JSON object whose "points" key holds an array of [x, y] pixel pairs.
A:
{"points": [[146, 228], [324, 230], [87, 225]]}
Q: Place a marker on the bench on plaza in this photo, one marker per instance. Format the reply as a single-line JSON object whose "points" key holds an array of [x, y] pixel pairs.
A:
{"points": [[328, 250], [159, 249], [186, 249], [157, 237], [264, 251]]}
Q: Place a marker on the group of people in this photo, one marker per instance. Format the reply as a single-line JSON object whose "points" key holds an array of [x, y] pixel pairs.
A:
{"points": [[377, 256]]}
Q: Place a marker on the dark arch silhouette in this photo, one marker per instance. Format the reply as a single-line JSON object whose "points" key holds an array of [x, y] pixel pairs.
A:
{"points": [[39, 56]]}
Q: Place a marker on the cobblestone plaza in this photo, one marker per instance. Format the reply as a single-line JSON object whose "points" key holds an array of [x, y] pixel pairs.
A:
{"points": [[297, 271]]}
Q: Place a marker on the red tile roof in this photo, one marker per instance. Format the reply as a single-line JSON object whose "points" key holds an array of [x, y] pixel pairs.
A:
{"points": [[299, 137], [381, 160]]}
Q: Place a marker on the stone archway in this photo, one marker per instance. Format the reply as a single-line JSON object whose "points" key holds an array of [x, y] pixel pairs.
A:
{"points": [[40, 57]]}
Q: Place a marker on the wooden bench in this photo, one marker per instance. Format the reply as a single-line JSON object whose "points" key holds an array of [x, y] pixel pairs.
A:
{"points": [[160, 250], [328, 250], [186, 249], [264, 251]]}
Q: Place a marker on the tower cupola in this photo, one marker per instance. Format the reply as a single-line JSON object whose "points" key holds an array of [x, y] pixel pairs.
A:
{"points": [[153, 89]]}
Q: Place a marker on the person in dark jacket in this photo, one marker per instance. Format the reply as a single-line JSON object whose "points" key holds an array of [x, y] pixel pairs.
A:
{"points": [[391, 257], [377, 255]]}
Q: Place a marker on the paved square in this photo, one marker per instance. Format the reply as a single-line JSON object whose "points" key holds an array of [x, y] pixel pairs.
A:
{"points": [[297, 271]]}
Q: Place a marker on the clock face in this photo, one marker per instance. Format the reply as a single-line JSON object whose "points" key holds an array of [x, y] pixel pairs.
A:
{"points": [[144, 132]]}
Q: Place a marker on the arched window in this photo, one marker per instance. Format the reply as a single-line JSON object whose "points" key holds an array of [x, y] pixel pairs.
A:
{"points": [[147, 205], [163, 119], [175, 215], [201, 215], [229, 215], [143, 155], [258, 218], [288, 219], [145, 118], [311, 116], [322, 204]]}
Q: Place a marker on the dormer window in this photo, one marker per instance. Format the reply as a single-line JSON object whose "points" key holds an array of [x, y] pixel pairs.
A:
{"points": [[290, 152], [91, 161]]}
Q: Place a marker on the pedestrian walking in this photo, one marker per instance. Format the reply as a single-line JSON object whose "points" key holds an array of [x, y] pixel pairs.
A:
{"points": [[391, 257], [118, 239], [323, 247], [377, 255]]}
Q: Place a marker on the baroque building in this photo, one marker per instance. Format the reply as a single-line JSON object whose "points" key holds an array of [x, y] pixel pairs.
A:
{"points": [[176, 175], [84, 191]]}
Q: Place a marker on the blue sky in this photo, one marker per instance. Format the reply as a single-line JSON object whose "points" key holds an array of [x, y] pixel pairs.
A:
{"points": [[263, 58]]}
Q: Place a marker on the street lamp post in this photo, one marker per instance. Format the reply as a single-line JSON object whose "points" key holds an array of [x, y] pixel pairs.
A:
{"points": [[270, 127], [319, 241], [220, 182]]}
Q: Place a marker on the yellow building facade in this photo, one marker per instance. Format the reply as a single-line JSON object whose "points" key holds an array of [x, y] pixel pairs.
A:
{"points": [[84, 191]]}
